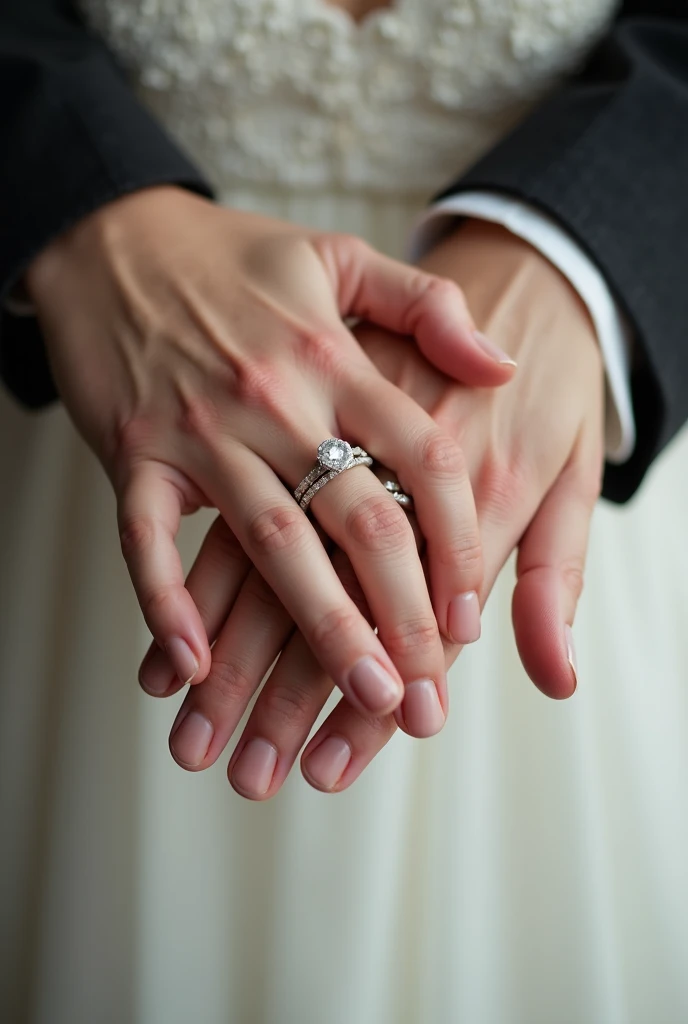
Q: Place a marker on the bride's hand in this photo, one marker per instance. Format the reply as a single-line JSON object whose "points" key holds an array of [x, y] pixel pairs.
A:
{"points": [[202, 354], [534, 452]]}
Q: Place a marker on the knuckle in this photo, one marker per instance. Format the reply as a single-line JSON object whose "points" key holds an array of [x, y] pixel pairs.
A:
{"points": [[155, 603], [230, 680], [377, 731], [130, 440], [572, 572], [378, 523], [199, 417], [410, 637], [258, 385], [464, 550], [440, 455], [432, 290], [287, 704], [321, 351], [442, 289], [332, 630], [136, 534], [277, 529], [341, 253]]}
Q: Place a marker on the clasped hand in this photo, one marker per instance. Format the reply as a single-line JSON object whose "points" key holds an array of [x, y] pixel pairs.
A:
{"points": [[203, 355]]}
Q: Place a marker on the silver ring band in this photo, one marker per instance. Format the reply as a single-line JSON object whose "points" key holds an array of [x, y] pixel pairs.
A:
{"points": [[334, 457], [362, 460], [405, 500]]}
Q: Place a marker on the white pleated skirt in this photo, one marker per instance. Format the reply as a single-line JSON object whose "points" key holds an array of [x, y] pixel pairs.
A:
{"points": [[527, 866]]}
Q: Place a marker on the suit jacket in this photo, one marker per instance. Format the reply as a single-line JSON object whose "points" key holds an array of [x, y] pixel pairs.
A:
{"points": [[607, 157]]}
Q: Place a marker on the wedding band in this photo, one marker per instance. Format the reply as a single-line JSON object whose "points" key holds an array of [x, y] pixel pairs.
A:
{"points": [[405, 500], [334, 457]]}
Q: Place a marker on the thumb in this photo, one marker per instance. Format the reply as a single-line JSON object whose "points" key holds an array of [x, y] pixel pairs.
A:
{"points": [[409, 301], [549, 569]]}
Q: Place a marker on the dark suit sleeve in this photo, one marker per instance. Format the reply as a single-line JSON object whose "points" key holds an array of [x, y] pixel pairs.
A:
{"points": [[72, 137], [608, 158]]}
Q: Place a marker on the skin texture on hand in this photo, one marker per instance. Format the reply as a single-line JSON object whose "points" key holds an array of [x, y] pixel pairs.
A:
{"points": [[534, 451], [202, 354]]}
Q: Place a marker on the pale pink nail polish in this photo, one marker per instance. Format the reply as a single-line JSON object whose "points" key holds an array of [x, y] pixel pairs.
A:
{"points": [[422, 710], [571, 654], [253, 771], [492, 350], [376, 689], [183, 659], [463, 618], [190, 742], [328, 762], [157, 675]]}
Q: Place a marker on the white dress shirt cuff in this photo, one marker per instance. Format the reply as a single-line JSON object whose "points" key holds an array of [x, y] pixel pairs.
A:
{"points": [[545, 235]]}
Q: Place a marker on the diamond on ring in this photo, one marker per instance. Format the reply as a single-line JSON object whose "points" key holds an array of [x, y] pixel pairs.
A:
{"points": [[334, 456], [335, 453]]}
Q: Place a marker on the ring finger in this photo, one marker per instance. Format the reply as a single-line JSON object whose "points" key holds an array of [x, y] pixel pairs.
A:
{"points": [[375, 533], [430, 465], [286, 550]]}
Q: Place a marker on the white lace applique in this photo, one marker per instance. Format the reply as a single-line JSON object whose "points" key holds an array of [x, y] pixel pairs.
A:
{"points": [[294, 92]]}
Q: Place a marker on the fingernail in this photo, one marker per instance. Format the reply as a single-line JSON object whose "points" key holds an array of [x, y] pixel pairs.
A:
{"points": [[571, 654], [422, 710], [182, 657], [157, 675], [463, 618], [493, 351], [328, 762], [376, 689], [252, 773], [192, 738]]}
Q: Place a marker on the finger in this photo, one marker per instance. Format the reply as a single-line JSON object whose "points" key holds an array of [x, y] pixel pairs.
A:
{"points": [[550, 566], [366, 522], [409, 301], [344, 747], [213, 582], [286, 709], [253, 635], [149, 513], [431, 467], [280, 721], [283, 545], [347, 741]]}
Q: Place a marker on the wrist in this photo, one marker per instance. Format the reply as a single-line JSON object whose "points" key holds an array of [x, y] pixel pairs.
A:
{"points": [[94, 232], [514, 293], [493, 267]]}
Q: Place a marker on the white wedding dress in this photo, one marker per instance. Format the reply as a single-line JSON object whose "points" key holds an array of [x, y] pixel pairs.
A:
{"points": [[527, 866]]}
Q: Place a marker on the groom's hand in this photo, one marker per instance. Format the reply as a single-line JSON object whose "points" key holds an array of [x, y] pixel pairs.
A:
{"points": [[534, 453], [535, 448]]}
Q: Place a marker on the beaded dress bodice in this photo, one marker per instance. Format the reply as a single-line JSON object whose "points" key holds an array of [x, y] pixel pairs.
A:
{"points": [[295, 93]]}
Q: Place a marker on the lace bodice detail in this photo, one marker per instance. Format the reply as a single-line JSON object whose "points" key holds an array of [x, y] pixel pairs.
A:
{"points": [[294, 92]]}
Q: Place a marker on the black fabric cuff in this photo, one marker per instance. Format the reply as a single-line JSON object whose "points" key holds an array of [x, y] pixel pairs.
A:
{"points": [[608, 159], [79, 139]]}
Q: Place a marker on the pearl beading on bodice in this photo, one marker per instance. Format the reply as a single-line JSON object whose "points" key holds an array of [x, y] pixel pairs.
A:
{"points": [[294, 92]]}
